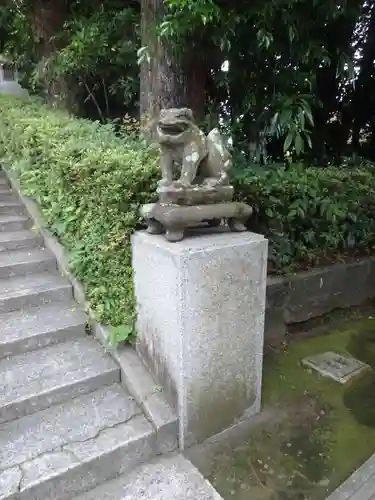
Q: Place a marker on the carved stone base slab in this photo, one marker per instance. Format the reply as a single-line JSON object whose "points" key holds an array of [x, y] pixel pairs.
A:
{"points": [[339, 368], [195, 195], [174, 219]]}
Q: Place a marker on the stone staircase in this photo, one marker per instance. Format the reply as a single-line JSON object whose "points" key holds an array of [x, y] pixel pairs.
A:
{"points": [[68, 426]]}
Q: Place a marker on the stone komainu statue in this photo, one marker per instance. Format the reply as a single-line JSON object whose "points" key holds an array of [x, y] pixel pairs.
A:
{"points": [[195, 186], [203, 160]]}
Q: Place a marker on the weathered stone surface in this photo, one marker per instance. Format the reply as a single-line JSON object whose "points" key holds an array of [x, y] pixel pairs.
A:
{"points": [[39, 379], [195, 195], [12, 207], [138, 380], [6, 194], [202, 192], [297, 298], [3, 180], [14, 222], [19, 239], [73, 426], [10, 480], [152, 401], [22, 262], [78, 420], [200, 324], [336, 366], [275, 328], [172, 478], [319, 291], [359, 486], [23, 291], [366, 492], [183, 143], [174, 219], [75, 445], [36, 327], [81, 466]]}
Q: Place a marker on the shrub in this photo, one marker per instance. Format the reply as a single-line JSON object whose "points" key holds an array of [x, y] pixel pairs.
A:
{"points": [[311, 215], [90, 184]]}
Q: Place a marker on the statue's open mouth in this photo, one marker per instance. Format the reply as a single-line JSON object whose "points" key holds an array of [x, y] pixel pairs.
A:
{"points": [[173, 128]]}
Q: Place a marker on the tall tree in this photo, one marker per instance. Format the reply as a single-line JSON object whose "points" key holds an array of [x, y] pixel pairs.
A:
{"points": [[47, 18], [173, 74], [362, 112]]}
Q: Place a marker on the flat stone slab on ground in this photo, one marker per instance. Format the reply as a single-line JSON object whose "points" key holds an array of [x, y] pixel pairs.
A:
{"points": [[336, 366]]}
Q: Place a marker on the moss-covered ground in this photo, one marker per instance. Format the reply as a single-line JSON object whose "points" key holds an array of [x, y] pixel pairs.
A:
{"points": [[326, 431]]}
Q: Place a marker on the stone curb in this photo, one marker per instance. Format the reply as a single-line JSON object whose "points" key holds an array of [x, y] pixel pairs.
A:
{"points": [[360, 485], [134, 375], [296, 299]]}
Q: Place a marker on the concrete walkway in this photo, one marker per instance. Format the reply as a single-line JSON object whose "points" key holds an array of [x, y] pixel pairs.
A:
{"points": [[360, 486]]}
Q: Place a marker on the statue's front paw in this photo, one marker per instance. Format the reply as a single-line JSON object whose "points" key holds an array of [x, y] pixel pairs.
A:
{"points": [[211, 182], [181, 183], [224, 179]]}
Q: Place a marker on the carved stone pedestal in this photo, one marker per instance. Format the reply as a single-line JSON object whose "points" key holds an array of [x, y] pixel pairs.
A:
{"points": [[195, 195], [200, 324], [174, 219]]}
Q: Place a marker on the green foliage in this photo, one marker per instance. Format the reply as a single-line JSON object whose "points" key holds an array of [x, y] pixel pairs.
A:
{"points": [[311, 214], [121, 334], [91, 181], [274, 51], [100, 54], [90, 185], [16, 39], [184, 15], [299, 76], [15, 34], [89, 45], [291, 119]]}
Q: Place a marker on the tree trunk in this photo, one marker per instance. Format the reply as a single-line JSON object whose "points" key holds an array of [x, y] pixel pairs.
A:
{"points": [[169, 78], [364, 85], [360, 109], [337, 38], [47, 19]]}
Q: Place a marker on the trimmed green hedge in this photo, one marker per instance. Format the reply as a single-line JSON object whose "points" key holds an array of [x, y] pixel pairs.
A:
{"points": [[90, 184], [312, 215]]}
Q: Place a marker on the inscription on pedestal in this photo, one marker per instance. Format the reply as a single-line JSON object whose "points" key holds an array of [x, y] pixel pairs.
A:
{"points": [[335, 366]]}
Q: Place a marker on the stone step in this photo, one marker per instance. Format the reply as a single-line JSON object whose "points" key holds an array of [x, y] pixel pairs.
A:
{"points": [[32, 290], [36, 380], [6, 193], [12, 223], [19, 239], [36, 327], [166, 478], [23, 262], [67, 449], [12, 207]]}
